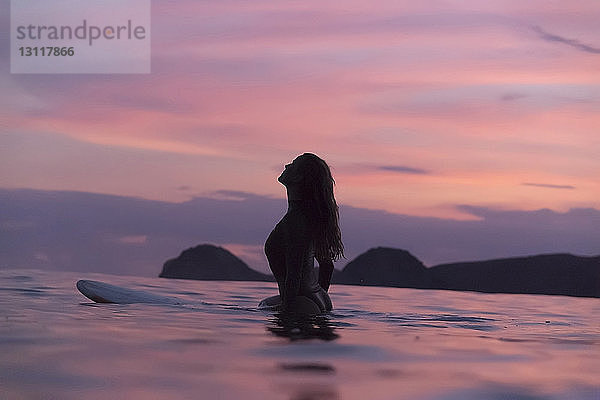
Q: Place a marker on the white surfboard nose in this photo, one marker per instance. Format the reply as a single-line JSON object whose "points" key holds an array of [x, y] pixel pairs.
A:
{"points": [[101, 292]]}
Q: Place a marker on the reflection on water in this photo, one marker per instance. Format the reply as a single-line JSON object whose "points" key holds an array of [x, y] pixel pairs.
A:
{"points": [[315, 393], [378, 343], [297, 327]]}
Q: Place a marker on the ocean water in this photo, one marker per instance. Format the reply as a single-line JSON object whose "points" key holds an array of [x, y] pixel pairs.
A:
{"points": [[378, 343]]}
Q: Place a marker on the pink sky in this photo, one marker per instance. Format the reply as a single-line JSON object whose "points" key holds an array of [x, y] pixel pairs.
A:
{"points": [[417, 107]]}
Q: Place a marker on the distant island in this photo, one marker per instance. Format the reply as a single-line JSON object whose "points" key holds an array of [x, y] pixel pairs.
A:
{"points": [[556, 274], [208, 262]]}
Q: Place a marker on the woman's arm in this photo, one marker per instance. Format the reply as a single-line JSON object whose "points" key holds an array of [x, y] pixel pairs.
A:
{"points": [[325, 272]]}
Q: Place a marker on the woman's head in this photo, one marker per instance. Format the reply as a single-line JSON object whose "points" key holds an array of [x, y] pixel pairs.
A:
{"points": [[306, 171], [312, 180]]}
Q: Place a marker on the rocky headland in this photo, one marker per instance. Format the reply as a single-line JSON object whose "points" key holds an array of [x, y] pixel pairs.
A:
{"points": [[208, 262], [560, 274]]}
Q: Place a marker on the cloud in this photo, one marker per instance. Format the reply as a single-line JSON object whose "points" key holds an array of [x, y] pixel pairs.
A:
{"points": [[403, 169], [134, 239], [233, 195], [80, 231], [512, 96], [237, 89], [548, 185], [550, 37]]}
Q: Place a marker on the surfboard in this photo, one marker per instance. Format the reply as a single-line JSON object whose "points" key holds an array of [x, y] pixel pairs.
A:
{"points": [[101, 292]]}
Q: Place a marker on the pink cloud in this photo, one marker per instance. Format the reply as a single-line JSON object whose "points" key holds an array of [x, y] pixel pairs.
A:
{"points": [[470, 92]]}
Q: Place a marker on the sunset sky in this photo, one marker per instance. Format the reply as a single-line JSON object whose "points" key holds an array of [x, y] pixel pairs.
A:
{"points": [[421, 108]]}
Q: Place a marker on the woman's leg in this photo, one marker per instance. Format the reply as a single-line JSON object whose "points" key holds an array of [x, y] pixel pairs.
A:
{"points": [[322, 299]]}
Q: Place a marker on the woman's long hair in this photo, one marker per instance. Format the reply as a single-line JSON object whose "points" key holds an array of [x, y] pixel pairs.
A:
{"points": [[317, 188]]}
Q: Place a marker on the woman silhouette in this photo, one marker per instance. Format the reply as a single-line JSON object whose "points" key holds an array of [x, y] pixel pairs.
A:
{"points": [[308, 230]]}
